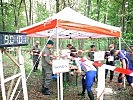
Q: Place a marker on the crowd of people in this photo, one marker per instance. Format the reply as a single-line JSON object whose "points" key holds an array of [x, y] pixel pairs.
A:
{"points": [[90, 71]]}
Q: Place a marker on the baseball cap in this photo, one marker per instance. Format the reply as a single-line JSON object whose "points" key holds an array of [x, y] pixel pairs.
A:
{"points": [[50, 42]]}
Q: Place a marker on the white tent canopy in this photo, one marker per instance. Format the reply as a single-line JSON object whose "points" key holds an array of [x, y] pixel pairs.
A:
{"points": [[70, 24]]}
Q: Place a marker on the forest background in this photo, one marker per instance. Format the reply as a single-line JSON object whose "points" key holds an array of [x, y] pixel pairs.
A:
{"points": [[15, 14]]}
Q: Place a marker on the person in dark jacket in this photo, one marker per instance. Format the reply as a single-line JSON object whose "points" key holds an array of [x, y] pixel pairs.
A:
{"points": [[110, 61], [126, 64], [36, 52]]}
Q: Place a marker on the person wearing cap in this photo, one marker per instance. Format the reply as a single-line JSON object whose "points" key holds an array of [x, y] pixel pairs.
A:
{"points": [[47, 67], [109, 61], [126, 64], [36, 52]]}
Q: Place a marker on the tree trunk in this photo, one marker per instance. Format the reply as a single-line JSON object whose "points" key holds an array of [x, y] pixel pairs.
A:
{"points": [[88, 4], [2, 12], [57, 6], [99, 2], [18, 13], [30, 12], [123, 16], [106, 14], [27, 19], [15, 14]]}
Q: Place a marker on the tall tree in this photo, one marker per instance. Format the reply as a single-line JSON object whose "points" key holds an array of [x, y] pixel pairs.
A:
{"points": [[88, 4], [57, 6], [2, 16], [123, 15], [99, 3], [26, 12]]}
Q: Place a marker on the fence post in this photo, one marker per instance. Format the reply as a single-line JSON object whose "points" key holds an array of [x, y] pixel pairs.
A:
{"points": [[2, 77], [101, 83]]}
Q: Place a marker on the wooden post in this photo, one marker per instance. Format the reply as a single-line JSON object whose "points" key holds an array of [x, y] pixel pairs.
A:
{"points": [[2, 77], [101, 83], [21, 62]]}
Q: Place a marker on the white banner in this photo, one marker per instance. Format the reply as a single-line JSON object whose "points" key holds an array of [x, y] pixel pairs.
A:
{"points": [[60, 66]]}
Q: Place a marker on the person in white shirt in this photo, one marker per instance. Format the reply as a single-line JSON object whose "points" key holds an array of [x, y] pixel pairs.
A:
{"points": [[90, 73]]}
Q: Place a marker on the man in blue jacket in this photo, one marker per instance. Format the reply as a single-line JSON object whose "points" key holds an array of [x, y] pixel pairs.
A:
{"points": [[126, 64]]}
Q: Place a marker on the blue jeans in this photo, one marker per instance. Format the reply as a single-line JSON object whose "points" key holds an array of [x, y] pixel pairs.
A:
{"points": [[90, 76], [129, 79]]}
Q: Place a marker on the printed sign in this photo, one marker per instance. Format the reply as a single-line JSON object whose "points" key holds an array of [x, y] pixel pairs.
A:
{"points": [[60, 66], [99, 56]]}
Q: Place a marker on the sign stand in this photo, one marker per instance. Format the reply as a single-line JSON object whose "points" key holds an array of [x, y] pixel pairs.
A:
{"points": [[59, 66], [61, 86], [20, 76]]}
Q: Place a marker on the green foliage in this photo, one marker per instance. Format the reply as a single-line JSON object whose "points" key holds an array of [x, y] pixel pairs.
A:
{"points": [[41, 12], [128, 37], [11, 15]]}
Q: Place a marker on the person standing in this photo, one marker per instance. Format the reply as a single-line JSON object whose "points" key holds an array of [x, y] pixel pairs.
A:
{"points": [[36, 52], [47, 67], [109, 61], [126, 64]]}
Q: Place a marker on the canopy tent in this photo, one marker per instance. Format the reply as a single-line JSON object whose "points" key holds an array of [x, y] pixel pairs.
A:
{"points": [[70, 24]]}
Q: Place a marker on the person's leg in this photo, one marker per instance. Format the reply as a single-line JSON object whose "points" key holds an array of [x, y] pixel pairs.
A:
{"points": [[37, 62], [120, 82], [106, 72], [47, 73], [34, 62], [36, 66], [83, 86], [43, 79], [111, 75], [130, 81], [90, 75]]}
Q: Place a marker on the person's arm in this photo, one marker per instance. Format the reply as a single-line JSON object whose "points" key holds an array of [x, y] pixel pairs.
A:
{"points": [[47, 58], [123, 63]]}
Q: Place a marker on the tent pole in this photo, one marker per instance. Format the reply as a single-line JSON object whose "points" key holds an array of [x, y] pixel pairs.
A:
{"points": [[60, 78], [124, 83], [57, 53], [120, 43]]}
